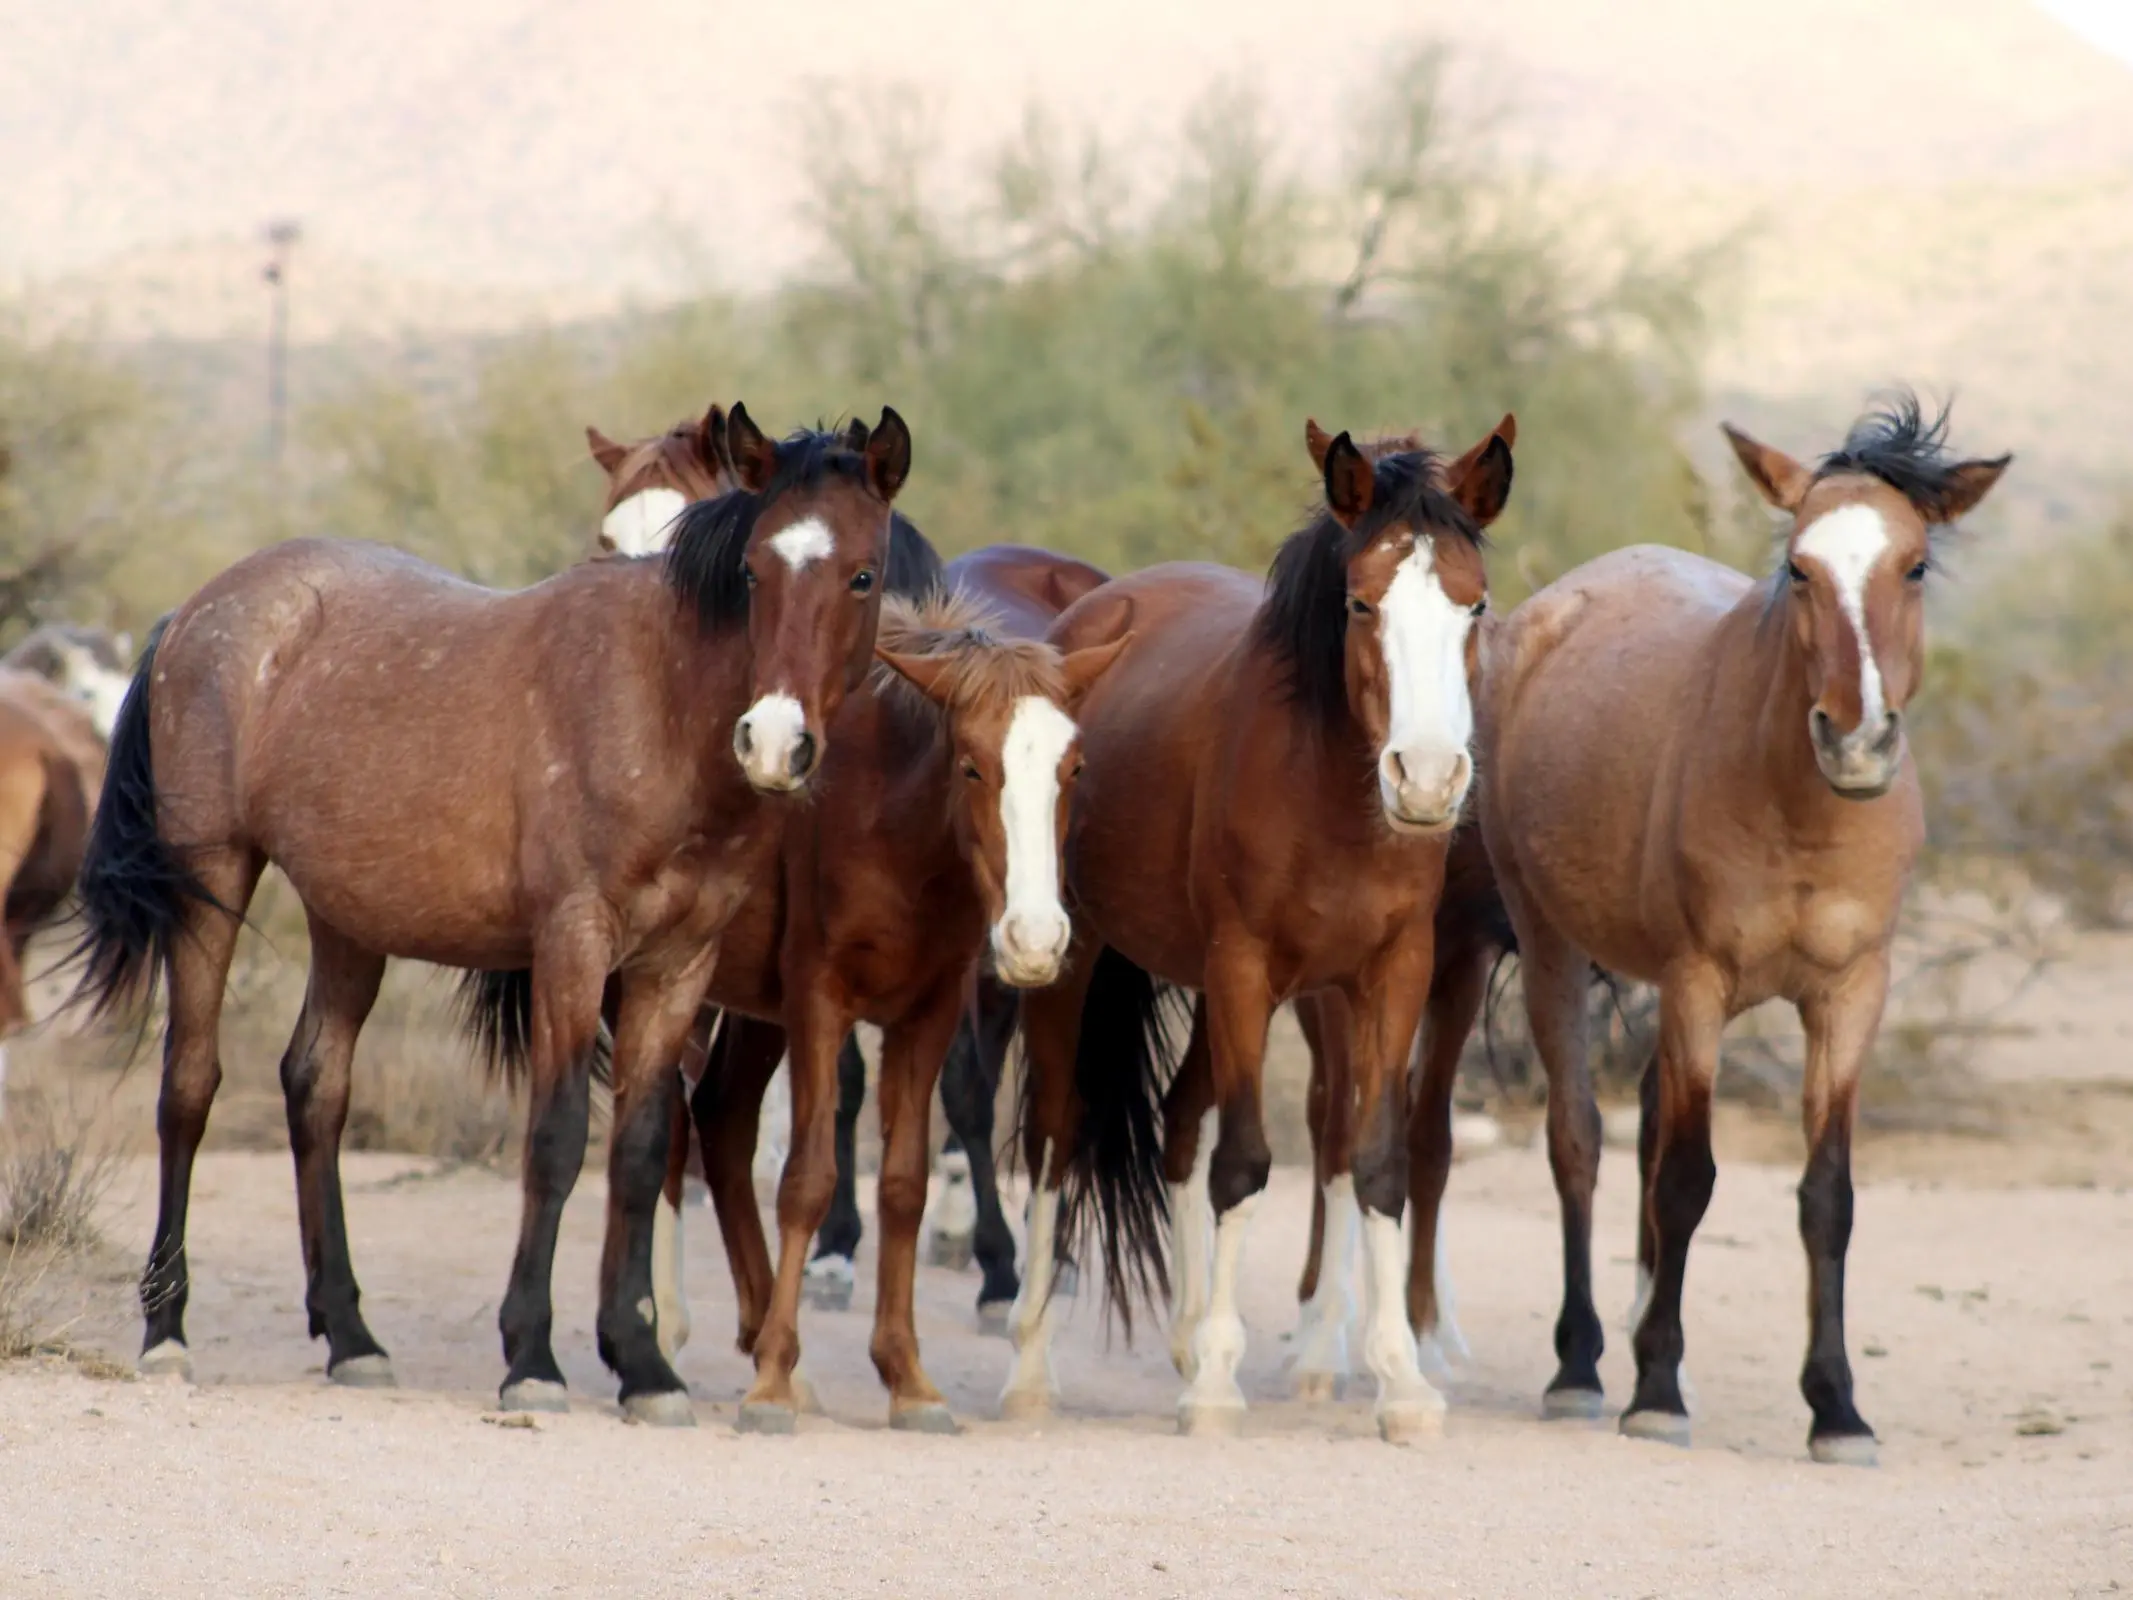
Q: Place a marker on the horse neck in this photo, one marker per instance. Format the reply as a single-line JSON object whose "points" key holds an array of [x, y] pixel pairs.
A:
{"points": [[1762, 701], [909, 759]]}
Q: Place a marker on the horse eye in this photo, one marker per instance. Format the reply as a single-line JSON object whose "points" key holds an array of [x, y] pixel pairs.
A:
{"points": [[1918, 573], [863, 580], [748, 576], [1358, 606], [1481, 605], [1794, 572], [970, 771], [1079, 763]]}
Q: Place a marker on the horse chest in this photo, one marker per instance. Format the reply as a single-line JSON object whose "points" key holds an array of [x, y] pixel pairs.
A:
{"points": [[1795, 934]]}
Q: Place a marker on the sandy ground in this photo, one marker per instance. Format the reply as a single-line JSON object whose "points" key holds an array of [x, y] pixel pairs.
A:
{"points": [[1993, 1331]]}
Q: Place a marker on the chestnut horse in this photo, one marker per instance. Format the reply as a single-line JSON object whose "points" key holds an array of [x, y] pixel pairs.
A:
{"points": [[934, 834], [568, 778], [1702, 782], [1274, 776]]}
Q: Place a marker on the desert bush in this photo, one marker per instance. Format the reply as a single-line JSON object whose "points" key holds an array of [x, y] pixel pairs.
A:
{"points": [[56, 1164]]}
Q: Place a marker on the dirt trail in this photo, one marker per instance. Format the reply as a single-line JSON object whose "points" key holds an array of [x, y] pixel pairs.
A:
{"points": [[1993, 1331]]}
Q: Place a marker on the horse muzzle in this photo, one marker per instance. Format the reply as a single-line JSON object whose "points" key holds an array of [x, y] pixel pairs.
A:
{"points": [[1029, 948], [772, 743], [1423, 794], [1861, 764]]}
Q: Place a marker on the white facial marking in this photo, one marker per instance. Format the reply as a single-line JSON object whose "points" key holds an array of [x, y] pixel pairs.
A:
{"points": [[1033, 930], [1847, 544], [772, 726], [1424, 767], [806, 540], [642, 524]]}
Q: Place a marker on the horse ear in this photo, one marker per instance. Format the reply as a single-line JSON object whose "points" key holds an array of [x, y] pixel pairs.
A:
{"points": [[1967, 485], [1782, 480], [711, 442], [1480, 480], [755, 458], [888, 453], [1351, 482], [1081, 668], [604, 450], [1317, 441], [927, 674], [855, 435]]}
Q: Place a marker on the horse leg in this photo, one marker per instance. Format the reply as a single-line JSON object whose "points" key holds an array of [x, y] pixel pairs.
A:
{"points": [[199, 965], [1189, 1136], [1387, 1004], [314, 1084], [1051, 1122], [657, 1009], [570, 966], [1840, 1025], [1239, 1006], [834, 1270], [1556, 976], [727, 1108], [910, 1061], [1327, 1290], [1456, 992], [1692, 1015], [970, 1082]]}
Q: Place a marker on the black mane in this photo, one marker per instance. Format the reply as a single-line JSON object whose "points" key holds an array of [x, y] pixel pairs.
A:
{"points": [[1304, 620], [1898, 445], [705, 560]]}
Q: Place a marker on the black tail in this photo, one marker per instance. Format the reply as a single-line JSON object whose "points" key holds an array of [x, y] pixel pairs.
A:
{"points": [[133, 889], [496, 1012], [1131, 1041]]}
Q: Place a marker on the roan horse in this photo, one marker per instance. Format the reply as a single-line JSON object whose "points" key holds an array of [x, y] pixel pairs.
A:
{"points": [[1273, 777], [1702, 782], [600, 744], [934, 835]]}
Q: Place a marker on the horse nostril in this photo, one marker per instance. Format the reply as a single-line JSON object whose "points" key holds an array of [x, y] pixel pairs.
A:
{"points": [[1818, 720], [741, 740], [1891, 726], [803, 755]]}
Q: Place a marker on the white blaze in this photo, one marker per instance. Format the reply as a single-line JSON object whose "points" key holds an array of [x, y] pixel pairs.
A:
{"points": [[1033, 930], [806, 540], [1422, 633], [1847, 544], [643, 523]]}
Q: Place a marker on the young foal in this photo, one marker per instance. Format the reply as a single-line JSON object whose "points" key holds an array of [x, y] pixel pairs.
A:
{"points": [[1274, 773], [594, 749], [934, 834], [1702, 782]]}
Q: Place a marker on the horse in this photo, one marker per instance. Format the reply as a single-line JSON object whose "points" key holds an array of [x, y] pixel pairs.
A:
{"points": [[652, 481], [87, 664], [1701, 781], [615, 749], [933, 833], [1273, 776]]}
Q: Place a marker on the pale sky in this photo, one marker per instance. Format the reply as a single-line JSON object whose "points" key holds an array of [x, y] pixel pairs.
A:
{"points": [[2106, 24]]}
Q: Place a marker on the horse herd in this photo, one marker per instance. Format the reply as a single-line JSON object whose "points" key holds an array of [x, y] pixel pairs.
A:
{"points": [[766, 768]]}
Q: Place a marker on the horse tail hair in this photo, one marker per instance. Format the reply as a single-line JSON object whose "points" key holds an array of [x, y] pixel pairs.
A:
{"points": [[496, 1013], [134, 890], [1114, 1193]]}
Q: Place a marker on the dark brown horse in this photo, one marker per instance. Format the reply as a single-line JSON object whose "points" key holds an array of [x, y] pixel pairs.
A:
{"points": [[544, 780], [651, 482], [1273, 775], [1702, 782], [933, 836]]}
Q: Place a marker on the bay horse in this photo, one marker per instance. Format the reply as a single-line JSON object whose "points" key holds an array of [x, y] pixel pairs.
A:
{"points": [[1273, 776], [1701, 781], [934, 834], [570, 779]]}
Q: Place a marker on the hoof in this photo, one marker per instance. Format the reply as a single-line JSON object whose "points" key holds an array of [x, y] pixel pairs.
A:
{"points": [[661, 1408], [953, 1251], [1573, 1405], [1845, 1450], [1409, 1421], [1661, 1427], [533, 1394], [169, 1359], [1211, 1419], [363, 1372], [766, 1416], [933, 1416], [1317, 1388], [1021, 1405], [995, 1317]]}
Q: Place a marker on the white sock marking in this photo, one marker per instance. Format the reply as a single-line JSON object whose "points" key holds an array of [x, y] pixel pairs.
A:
{"points": [[1029, 1323], [806, 540], [670, 1299], [1192, 1242], [1388, 1342], [1322, 1334], [1218, 1345], [643, 524], [1848, 544]]}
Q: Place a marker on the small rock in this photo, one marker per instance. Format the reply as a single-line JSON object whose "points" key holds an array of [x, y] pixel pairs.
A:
{"points": [[2039, 1422], [1874, 1350], [510, 1419]]}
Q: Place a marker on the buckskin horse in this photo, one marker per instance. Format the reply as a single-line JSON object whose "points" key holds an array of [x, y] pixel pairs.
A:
{"points": [[1701, 781], [1274, 772], [564, 787]]}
